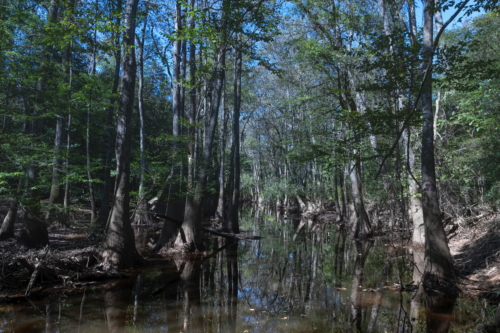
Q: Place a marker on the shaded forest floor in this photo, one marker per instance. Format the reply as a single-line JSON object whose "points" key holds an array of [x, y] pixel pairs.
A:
{"points": [[476, 250], [69, 261]]}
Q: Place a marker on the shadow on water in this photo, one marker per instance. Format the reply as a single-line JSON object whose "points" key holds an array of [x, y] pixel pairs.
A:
{"points": [[303, 277], [438, 307]]}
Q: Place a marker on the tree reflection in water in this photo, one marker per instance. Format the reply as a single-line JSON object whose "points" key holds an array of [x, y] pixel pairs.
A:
{"points": [[357, 297], [116, 297], [171, 280], [438, 307], [303, 277], [192, 316], [232, 290], [438, 310]]}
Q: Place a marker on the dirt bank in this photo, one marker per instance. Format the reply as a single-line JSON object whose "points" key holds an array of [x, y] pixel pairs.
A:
{"points": [[475, 247]]}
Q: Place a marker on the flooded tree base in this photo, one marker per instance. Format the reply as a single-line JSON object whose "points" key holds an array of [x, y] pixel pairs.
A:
{"points": [[312, 254]]}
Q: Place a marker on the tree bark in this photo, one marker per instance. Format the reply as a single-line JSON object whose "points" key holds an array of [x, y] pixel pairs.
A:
{"points": [[103, 214], [175, 200], [191, 227], [141, 214], [192, 106], [361, 227], [231, 223], [68, 137], [7, 229], [118, 249], [174, 203], [412, 20], [87, 136], [34, 233], [56, 191], [415, 209], [221, 204], [439, 270], [89, 173]]}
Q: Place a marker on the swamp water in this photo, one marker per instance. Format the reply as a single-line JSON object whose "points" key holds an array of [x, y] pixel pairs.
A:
{"points": [[302, 277]]}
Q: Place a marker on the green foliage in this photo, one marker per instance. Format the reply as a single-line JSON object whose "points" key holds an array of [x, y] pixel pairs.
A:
{"points": [[470, 104]]}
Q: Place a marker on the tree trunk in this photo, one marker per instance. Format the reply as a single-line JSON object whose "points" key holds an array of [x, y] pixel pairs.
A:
{"points": [[221, 204], [232, 224], [192, 106], [415, 209], [141, 214], [412, 20], [34, 233], [439, 270], [87, 138], [385, 18], [361, 227], [174, 203], [56, 190], [7, 229], [68, 147], [103, 214], [89, 173], [175, 200], [191, 227], [336, 197], [118, 249]]}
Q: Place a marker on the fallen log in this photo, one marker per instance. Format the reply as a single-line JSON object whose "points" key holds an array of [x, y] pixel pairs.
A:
{"points": [[94, 275], [211, 231], [168, 218], [34, 277], [230, 235]]}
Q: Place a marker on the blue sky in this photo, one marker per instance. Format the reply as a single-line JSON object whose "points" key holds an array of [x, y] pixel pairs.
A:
{"points": [[446, 15]]}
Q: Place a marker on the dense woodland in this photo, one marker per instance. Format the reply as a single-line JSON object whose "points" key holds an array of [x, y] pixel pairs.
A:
{"points": [[183, 110]]}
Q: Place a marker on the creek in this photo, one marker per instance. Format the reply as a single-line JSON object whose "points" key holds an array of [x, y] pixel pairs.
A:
{"points": [[302, 277]]}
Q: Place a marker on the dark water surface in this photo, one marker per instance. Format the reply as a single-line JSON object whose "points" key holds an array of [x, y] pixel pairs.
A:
{"points": [[303, 277]]}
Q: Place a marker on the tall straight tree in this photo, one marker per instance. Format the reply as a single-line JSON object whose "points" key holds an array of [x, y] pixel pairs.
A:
{"points": [[141, 215], [92, 71], [103, 214], [231, 224], [56, 190], [438, 269], [118, 249], [175, 208], [221, 204], [191, 227]]}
